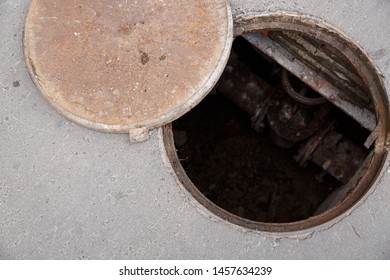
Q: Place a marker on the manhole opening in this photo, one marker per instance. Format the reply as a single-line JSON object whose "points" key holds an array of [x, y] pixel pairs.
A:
{"points": [[258, 154]]}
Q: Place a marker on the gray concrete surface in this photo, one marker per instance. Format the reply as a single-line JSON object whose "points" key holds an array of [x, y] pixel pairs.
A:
{"points": [[67, 192]]}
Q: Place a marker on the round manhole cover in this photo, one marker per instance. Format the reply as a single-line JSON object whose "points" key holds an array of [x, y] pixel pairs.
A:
{"points": [[118, 65]]}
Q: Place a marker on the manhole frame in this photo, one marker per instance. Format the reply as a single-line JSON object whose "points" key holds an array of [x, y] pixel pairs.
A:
{"points": [[367, 70]]}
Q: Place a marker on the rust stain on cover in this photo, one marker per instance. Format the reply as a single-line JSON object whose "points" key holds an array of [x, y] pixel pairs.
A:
{"points": [[124, 63]]}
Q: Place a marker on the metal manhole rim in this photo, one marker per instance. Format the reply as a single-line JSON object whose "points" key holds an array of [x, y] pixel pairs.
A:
{"points": [[365, 186]]}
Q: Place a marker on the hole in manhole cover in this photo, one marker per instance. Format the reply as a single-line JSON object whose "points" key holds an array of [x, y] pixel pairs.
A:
{"points": [[289, 138]]}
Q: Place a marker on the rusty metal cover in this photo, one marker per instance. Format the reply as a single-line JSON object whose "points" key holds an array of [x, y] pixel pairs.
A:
{"points": [[120, 65]]}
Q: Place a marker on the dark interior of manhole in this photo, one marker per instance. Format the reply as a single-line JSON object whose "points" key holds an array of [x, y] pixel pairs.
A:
{"points": [[255, 168]]}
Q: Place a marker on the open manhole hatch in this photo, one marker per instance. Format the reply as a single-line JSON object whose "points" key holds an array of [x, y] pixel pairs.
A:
{"points": [[126, 66], [292, 136]]}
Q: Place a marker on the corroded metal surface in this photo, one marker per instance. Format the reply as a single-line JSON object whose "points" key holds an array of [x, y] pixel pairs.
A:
{"points": [[351, 103], [328, 61], [289, 120], [115, 65], [244, 88], [303, 120], [339, 156]]}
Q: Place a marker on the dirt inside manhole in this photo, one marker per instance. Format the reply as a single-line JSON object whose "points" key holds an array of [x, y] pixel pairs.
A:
{"points": [[246, 172], [242, 171]]}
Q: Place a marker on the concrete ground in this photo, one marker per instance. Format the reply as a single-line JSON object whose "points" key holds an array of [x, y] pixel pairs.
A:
{"points": [[67, 192]]}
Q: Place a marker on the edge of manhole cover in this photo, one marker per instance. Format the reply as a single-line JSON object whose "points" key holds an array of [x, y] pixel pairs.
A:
{"points": [[117, 66]]}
